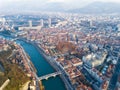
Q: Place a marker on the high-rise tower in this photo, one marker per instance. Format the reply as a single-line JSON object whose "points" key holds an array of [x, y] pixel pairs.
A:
{"points": [[30, 23], [3, 21], [42, 23], [49, 22]]}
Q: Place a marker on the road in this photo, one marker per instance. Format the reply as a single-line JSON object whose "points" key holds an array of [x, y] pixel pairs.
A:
{"points": [[114, 78], [4, 84], [53, 63], [31, 68], [63, 75]]}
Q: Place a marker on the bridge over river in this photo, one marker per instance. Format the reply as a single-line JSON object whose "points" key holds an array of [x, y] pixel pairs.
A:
{"points": [[49, 75]]}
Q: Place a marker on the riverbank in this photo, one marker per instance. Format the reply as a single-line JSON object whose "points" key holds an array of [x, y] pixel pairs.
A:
{"points": [[49, 59], [41, 65], [41, 51], [32, 70], [53, 63]]}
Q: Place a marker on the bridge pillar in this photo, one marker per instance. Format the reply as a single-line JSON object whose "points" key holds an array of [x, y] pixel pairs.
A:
{"points": [[46, 78], [54, 75]]}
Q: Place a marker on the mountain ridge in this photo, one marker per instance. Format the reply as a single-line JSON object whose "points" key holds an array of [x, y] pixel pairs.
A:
{"points": [[98, 8], [92, 8]]}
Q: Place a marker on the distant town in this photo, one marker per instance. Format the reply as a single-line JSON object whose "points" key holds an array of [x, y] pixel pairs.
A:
{"points": [[84, 50]]}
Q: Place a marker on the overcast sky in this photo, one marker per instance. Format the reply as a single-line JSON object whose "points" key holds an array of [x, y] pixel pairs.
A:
{"points": [[66, 3]]}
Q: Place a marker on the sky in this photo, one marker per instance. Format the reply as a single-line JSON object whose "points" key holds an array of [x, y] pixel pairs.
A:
{"points": [[65, 3], [83, 0]]}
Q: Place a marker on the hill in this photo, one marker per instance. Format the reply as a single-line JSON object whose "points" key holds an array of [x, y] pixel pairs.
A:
{"points": [[99, 8]]}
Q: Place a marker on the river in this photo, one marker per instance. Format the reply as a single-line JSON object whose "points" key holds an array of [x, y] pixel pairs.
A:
{"points": [[42, 67]]}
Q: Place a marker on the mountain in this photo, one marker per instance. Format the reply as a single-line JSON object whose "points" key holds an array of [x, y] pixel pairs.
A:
{"points": [[37, 6], [99, 8], [32, 7]]}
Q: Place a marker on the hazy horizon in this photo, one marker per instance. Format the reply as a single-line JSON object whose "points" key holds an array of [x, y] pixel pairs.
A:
{"points": [[69, 4], [51, 5]]}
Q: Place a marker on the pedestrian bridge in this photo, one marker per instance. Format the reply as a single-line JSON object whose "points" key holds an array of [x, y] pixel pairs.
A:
{"points": [[49, 75]]}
